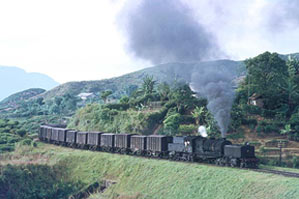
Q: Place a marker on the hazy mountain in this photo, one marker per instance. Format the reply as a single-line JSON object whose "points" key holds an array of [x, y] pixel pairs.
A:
{"points": [[13, 79]]}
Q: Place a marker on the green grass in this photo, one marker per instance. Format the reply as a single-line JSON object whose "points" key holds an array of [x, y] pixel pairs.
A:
{"points": [[148, 178]]}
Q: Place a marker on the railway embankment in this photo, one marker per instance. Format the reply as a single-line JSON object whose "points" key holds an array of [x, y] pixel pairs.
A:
{"points": [[70, 171]]}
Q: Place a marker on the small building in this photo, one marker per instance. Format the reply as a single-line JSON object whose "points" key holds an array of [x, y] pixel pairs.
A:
{"points": [[256, 100], [85, 96]]}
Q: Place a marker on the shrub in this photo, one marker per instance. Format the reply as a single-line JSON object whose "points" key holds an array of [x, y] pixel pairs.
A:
{"points": [[124, 100], [36, 181], [255, 110], [238, 135], [268, 113], [187, 119], [295, 162], [294, 120], [270, 128], [21, 132], [170, 104], [236, 118], [26, 142], [249, 122], [252, 126], [187, 129], [294, 136], [117, 106], [171, 123]]}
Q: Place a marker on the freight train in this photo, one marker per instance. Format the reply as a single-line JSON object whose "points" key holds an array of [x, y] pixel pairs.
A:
{"points": [[181, 148]]}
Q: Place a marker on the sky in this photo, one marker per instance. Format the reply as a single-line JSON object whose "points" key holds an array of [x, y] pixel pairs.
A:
{"points": [[74, 40]]}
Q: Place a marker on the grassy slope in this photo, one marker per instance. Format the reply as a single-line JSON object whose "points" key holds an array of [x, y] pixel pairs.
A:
{"points": [[147, 178]]}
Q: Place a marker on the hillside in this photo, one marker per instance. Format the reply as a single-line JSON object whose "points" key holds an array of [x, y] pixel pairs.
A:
{"points": [[13, 99], [13, 79], [162, 73], [124, 84], [131, 177]]}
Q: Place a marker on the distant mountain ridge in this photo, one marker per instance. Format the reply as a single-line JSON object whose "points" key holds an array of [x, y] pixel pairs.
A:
{"points": [[162, 73], [122, 85], [14, 79]]}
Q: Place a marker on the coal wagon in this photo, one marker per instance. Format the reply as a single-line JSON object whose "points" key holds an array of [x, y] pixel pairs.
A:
{"points": [[138, 144], [157, 145], [107, 142], [94, 140], [122, 142]]}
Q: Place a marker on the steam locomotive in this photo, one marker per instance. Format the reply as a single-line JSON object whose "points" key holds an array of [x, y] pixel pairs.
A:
{"points": [[182, 148]]}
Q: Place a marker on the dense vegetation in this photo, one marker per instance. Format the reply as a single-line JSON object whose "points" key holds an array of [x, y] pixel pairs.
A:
{"points": [[275, 82], [21, 96], [35, 181], [152, 108], [12, 133]]}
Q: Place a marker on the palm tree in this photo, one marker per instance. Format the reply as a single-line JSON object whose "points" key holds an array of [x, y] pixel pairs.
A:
{"points": [[148, 85], [198, 114], [105, 94]]}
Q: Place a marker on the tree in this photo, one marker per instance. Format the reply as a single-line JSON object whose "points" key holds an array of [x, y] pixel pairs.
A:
{"points": [[105, 94], [40, 101], [58, 100], [124, 99], [148, 85], [289, 84], [264, 76], [182, 95], [70, 102], [163, 90], [199, 115], [131, 90], [172, 123], [287, 129]]}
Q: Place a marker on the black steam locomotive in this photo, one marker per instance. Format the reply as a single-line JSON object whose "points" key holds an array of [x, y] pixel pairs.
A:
{"points": [[186, 148]]}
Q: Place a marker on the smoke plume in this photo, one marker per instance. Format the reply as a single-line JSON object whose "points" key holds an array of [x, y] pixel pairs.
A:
{"points": [[166, 31], [283, 14], [215, 85]]}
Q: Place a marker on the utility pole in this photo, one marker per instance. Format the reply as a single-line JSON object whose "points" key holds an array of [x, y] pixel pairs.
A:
{"points": [[280, 144]]}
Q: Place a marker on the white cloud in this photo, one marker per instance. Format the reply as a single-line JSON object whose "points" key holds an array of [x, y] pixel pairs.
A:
{"points": [[66, 39], [73, 40]]}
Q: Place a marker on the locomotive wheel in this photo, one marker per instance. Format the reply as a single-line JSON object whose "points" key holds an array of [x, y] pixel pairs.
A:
{"points": [[242, 165]]}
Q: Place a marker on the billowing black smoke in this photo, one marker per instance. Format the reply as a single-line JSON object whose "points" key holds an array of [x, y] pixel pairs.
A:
{"points": [[215, 84], [165, 31]]}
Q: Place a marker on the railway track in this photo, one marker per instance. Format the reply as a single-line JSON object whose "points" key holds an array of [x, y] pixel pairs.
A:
{"points": [[277, 172], [260, 170]]}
